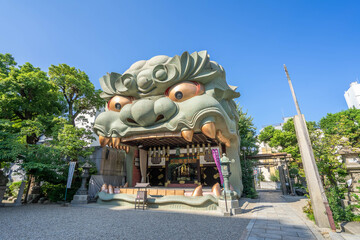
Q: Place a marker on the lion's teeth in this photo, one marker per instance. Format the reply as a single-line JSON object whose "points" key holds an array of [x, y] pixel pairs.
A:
{"points": [[209, 129], [188, 135], [103, 141], [115, 142], [223, 139]]}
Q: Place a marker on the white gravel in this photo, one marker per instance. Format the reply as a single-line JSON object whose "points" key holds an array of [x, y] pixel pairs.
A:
{"points": [[37, 221]]}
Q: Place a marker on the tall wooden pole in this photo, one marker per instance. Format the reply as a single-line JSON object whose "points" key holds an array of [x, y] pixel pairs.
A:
{"points": [[322, 213]]}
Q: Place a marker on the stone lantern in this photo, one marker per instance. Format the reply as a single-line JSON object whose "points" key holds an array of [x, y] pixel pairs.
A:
{"points": [[81, 196], [228, 202], [225, 170]]}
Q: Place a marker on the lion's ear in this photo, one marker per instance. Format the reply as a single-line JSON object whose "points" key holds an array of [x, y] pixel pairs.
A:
{"points": [[227, 94], [107, 83]]}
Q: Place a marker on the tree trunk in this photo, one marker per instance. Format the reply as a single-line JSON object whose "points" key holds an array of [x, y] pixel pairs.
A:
{"points": [[33, 139], [71, 116], [28, 188]]}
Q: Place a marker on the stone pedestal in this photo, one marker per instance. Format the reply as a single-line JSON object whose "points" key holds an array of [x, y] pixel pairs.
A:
{"points": [[232, 207], [353, 169], [35, 193], [80, 199]]}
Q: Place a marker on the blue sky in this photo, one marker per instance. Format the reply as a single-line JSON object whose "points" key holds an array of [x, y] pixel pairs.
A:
{"points": [[319, 41]]}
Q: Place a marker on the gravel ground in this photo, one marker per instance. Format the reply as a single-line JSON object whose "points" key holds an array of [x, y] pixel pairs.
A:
{"points": [[37, 221]]}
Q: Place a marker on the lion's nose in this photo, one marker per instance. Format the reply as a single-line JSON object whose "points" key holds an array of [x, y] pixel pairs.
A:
{"points": [[143, 113], [147, 112]]}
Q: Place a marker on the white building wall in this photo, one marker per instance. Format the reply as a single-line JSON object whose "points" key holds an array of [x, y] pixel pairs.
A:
{"points": [[352, 95], [88, 124]]}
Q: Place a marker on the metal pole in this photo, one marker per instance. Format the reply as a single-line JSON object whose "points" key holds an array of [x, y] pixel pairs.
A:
{"points": [[65, 194]]}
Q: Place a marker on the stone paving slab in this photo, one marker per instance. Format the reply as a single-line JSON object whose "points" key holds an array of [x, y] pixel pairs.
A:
{"points": [[273, 218], [93, 221]]}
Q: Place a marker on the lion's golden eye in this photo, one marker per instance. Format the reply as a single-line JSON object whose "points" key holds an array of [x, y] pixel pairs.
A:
{"points": [[184, 91], [117, 102]]}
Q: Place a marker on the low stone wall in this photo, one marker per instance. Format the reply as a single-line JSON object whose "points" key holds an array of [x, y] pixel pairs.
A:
{"points": [[207, 202]]}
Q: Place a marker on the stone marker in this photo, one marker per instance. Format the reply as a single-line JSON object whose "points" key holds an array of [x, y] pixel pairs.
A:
{"points": [[21, 192]]}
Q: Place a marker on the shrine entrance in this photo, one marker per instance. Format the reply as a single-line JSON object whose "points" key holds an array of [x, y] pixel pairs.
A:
{"points": [[183, 170], [168, 160]]}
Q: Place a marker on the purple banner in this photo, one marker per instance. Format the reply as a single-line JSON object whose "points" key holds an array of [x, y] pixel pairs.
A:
{"points": [[215, 153]]}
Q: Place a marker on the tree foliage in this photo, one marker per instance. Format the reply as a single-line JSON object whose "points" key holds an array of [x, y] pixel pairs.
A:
{"points": [[6, 62], [10, 146], [77, 90], [247, 133], [28, 99], [73, 142], [33, 105], [333, 133]]}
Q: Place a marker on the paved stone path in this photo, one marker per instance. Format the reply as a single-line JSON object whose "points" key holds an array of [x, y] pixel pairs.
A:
{"points": [[270, 217], [48, 222], [274, 218]]}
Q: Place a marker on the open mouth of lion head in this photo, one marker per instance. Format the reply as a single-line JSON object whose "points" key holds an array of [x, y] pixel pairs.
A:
{"points": [[208, 135]]}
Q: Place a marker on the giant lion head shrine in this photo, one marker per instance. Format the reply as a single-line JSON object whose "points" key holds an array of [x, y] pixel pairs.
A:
{"points": [[168, 121]]}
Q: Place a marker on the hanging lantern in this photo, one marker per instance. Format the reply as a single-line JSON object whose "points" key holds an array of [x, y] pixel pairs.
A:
{"points": [[177, 151], [168, 151], [163, 152], [198, 149]]}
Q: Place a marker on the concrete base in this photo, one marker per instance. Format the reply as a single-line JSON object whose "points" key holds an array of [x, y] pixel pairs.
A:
{"points": [[33, 198], [232, 207], [80, 199], [351, 227]]}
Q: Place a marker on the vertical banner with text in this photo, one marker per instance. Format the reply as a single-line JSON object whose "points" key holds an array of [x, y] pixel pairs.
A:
{"points": [[71, 173], [215, 153]]}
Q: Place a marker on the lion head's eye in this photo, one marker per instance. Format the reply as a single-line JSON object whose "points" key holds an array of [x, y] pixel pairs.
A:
{"points": [[184, 91], [117, 102]]}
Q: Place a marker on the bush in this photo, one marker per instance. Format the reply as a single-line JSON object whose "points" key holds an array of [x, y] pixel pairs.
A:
{"points": [[56, 192], [14, 188], [261, 177], [334, 196], [248, 178], [274, 178], [309, 210]]}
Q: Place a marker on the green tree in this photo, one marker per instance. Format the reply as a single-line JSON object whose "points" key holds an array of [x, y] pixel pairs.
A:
{"points": [[10, 145], [337, 131], [285, 140], [28, 99], [77, 90], [247, 133], [73, 142], [340, 131], [45, 163], [6, 62]]}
